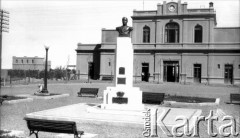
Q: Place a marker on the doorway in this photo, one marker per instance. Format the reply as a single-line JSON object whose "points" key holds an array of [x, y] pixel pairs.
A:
{"points": [[171, 71], [145, 72], [197, 73], [91, 70], [228, 74]]}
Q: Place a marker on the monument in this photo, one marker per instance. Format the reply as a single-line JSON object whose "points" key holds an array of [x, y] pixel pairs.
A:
{"points": [[123, 95]]}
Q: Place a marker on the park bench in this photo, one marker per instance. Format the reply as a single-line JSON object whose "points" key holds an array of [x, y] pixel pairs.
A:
{"points": [[88, 92], [55, 126], [153, 98], [234, 97]]}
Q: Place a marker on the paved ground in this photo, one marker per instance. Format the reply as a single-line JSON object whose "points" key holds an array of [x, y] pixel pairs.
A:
{"points": [[92, 113], [12, 115]]}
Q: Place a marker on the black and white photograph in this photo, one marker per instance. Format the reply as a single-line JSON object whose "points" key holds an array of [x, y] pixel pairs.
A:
{"points": [[120, 68]]}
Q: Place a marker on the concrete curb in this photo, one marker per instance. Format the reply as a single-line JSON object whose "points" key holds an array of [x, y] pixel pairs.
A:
{"points": [[217, 101], [43, 97], [50, 97], [18, 101]]}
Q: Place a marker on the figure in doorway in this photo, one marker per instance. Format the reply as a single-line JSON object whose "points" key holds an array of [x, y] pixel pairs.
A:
{"points": [[143, 75], [147, 77]]}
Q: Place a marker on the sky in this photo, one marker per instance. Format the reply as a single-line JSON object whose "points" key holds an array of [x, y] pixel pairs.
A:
{"points": [[62, 24]]}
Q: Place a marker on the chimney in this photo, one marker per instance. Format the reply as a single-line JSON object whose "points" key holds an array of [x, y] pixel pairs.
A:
{"points": [[210, 4]]}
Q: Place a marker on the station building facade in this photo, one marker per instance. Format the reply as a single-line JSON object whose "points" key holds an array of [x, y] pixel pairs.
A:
{"points": [[171, 44], [29, 63]]}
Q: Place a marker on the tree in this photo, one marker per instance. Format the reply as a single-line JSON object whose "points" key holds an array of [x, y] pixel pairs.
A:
{"points": [[59, 72]]}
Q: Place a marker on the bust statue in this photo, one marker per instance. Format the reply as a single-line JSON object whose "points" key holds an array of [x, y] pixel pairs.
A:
{"points": [[124, 30]]}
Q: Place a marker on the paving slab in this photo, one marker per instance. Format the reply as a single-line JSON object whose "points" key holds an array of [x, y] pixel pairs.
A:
{"points": [[85, 135], [13, 133], [18, 101], [92, 113]]}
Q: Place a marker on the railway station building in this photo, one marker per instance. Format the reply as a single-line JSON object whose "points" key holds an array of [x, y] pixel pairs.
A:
{"points": [[171, 44]]}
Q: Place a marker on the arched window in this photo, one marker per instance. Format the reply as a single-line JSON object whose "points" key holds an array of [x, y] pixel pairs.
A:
{"points": [[172, 33], [146, 34], [198, 34]]}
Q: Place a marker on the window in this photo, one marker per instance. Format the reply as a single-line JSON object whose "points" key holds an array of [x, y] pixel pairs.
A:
{"points": [[219, 66], [122, 70], [146, 34], [172, 33], [16, 61], [32, 61], [27, 60], [198, 34], [22, 60]]}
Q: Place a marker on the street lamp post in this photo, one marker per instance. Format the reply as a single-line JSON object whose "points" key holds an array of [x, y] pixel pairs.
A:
{"points": [[45, 74]]}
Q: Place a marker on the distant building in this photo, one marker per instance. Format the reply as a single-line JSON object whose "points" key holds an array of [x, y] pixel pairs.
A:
{"points": [[171, 44], [29, 63]]}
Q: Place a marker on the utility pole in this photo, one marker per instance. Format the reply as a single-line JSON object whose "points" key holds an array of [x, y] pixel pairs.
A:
{"points": [[4, 23]]}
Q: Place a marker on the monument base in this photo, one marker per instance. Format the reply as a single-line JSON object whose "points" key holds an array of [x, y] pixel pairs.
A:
{"points": [[42, 94], [123, 107], [122, 98]]}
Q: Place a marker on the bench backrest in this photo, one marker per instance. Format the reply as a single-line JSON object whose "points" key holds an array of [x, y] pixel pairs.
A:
{"points": [[89, 90], [154, 95], [150, 96], [51, 125]]}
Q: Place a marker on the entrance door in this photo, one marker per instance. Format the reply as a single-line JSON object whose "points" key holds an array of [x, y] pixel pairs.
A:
{"points": [[91, 69], [228, 74], [145, 72], [171, 71], [197, 73]]}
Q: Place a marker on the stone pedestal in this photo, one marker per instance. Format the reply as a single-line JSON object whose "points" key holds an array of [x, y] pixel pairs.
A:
{"points": [[124, 62], [123, 95]]}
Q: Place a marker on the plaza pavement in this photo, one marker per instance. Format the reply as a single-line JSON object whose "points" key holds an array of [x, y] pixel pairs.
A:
{"points": [[92, 113], [12, 115]]}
